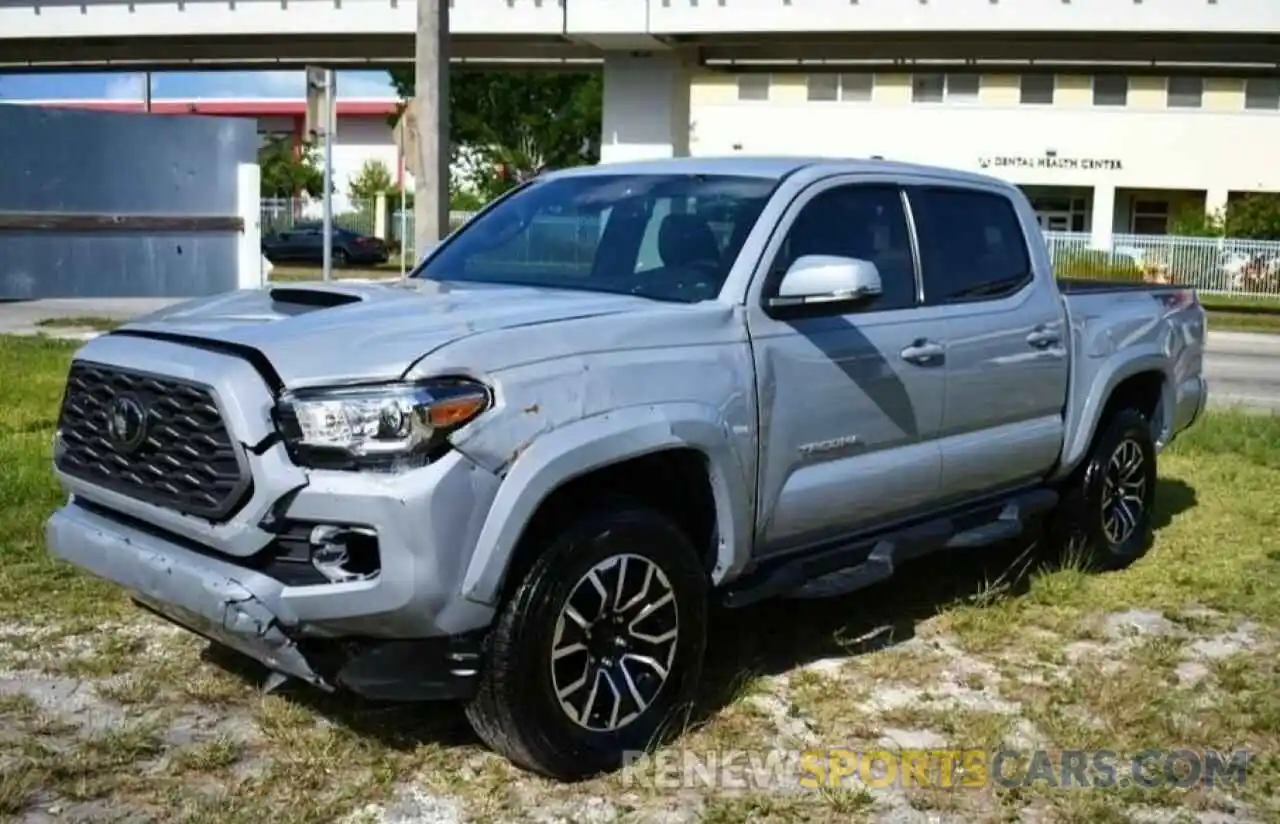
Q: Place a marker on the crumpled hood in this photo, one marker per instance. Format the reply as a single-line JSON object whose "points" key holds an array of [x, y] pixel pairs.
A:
{"points": [[318, 333]]}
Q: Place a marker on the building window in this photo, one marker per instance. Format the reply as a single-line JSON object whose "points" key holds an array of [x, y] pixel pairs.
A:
{"points": [[963, 87], [1185, 92], [753, 87], [1038, 89], [856, 88], [1110, 90], [824, 86], [1262, 93], [1149, 217], [934, 88], [928, 88], [847, 87]]}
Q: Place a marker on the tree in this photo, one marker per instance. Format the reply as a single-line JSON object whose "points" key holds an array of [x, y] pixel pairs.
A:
{"points": [[1256, 216], [1193, 221], [373, 179], [286, 173], [518, 122]]}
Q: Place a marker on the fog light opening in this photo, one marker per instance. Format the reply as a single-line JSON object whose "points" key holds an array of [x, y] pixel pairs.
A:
{"points": [[345, 553]]}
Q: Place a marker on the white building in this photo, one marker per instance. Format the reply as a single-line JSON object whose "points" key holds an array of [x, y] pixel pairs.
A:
{"points": [[1107, 152]]}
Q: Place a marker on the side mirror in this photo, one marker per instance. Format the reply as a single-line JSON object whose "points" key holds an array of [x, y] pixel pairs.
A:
{"points": [[814, 279]]}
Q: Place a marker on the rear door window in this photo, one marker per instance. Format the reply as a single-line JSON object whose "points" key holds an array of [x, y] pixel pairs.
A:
{"points": [[971, 245]]}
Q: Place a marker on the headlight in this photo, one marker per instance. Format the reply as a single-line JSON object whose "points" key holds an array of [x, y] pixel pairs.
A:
{"points": [[387, 427]]}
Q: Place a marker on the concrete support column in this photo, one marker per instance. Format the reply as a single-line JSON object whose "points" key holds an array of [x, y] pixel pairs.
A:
{"points": [[646, 106], [252, 267], [380, 215], [1104, 216], [1215, 201]]}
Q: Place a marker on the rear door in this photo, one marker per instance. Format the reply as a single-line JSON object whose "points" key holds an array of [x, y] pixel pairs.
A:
{"points": [[849, 415], [1006, 382]]}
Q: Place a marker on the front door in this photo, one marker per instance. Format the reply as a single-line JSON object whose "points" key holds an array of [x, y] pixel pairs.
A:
{"points": [[1006, 336], [849, 413]]}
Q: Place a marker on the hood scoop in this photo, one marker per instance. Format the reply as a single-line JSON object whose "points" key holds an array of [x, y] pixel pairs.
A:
{"points": [[293, 300]]}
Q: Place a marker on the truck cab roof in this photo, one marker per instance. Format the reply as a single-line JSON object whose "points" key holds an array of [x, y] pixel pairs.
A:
{"points": [[773, 167]]}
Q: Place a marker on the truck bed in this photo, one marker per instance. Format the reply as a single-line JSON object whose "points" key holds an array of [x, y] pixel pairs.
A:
{"points": [[1120, 328]]}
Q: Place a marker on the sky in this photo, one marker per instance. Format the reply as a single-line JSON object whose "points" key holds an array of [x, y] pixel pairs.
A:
{"points": [[184, 85]]}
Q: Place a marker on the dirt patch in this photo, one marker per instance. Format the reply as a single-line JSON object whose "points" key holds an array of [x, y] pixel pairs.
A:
{"points": [[141, 721]]}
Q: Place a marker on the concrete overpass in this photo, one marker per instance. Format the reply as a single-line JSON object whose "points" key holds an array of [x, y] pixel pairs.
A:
{"points": [[648, 48], [50, 35]]}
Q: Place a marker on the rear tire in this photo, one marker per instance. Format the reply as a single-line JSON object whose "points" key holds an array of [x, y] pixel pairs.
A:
{"points": [[599, 650], [1104, 518]]}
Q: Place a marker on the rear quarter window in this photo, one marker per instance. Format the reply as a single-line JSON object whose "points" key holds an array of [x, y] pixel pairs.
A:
{"points": [[971, 245]]}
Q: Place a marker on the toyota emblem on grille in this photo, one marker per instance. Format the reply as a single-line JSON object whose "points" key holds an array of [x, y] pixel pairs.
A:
{"points": [[126, 423]]}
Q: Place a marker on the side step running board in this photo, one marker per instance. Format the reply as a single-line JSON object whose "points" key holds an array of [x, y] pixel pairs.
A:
{"points": [[848, 568]]}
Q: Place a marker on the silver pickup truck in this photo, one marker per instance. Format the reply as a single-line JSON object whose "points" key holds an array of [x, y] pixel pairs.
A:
{"points": [[619, 397]]}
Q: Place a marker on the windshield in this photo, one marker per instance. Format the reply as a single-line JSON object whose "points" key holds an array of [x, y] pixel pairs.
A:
{"points": [[669, 237]]}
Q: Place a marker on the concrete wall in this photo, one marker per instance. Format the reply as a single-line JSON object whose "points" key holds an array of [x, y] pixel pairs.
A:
{"points": [[82, 163]]}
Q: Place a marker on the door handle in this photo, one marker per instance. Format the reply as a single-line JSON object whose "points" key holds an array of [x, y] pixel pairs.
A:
{"points": [[923, 352], [1042, 338]]}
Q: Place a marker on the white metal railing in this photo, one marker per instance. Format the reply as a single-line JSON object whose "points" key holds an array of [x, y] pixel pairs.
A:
{"points": [[1219, 265]]}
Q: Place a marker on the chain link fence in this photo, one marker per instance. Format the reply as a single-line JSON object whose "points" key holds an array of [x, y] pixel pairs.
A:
{"points": [[1230, 266], [282, 215]]}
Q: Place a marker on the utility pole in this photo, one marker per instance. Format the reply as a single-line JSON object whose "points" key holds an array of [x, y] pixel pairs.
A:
{"points": [[431, 91], [330, 125]]}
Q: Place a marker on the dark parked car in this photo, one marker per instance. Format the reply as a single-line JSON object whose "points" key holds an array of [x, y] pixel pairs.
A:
{"points": [[304, 243]]}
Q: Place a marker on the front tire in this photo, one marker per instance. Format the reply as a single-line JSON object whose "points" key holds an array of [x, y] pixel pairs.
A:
{"points": [[1104, 520], [599, 650]]}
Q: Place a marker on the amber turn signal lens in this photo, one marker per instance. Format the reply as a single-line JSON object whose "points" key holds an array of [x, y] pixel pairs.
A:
{"points": [[451, 412]]}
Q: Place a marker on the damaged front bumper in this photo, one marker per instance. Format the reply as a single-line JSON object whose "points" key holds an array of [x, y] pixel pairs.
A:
{"points": [[244, 610]]}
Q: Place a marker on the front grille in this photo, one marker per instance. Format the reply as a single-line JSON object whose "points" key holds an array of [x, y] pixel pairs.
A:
{"points": [[182, 457]]}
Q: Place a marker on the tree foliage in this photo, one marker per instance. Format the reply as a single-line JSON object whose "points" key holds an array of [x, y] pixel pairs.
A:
{"points": [[373, 179], [288, 174], [1255, 216], [520, 121]]}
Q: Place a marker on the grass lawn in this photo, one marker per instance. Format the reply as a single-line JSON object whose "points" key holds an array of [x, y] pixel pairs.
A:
{"points": [[86, 323], [106, 712], [1243, 314]]}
